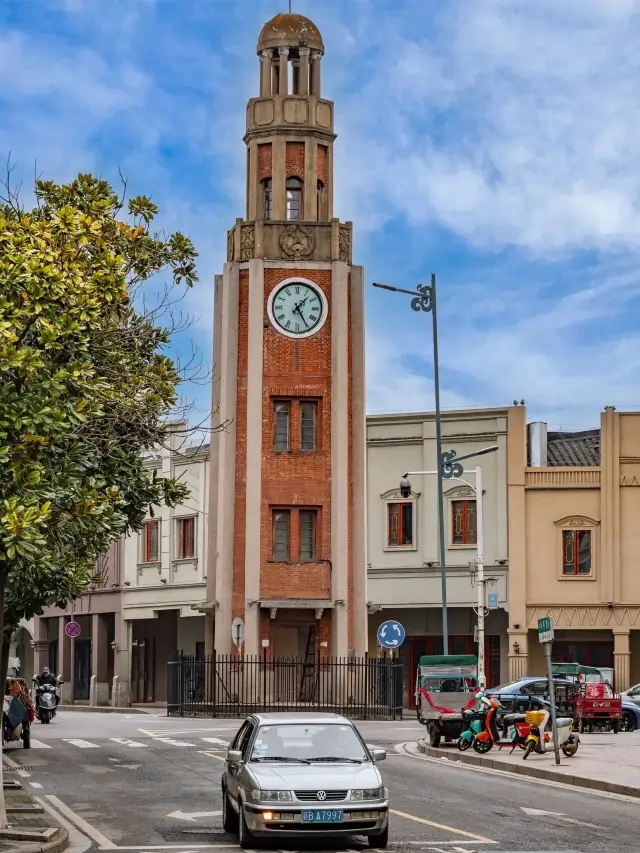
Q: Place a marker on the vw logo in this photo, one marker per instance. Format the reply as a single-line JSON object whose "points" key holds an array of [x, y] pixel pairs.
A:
{"points": [[322, 795]]}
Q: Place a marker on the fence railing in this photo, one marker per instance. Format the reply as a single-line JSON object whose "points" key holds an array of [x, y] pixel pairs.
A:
{"points": [[229, 686]]}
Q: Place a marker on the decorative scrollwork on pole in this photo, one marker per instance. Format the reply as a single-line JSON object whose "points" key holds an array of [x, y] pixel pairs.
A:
{"points": [[450, 468], [424, 302]]}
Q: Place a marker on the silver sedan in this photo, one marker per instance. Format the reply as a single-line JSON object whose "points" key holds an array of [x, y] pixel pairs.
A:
{"points": [[300, 775]]}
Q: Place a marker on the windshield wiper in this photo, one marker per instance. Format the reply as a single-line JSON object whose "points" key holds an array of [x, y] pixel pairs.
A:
{"points": [[280, 758], [335, 758]]}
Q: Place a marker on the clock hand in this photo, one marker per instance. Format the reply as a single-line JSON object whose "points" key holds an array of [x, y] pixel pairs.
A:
{"points": [[297, 309]]}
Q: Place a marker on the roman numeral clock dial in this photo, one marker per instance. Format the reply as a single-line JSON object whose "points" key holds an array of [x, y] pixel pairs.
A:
{"points": [[297, 308]]}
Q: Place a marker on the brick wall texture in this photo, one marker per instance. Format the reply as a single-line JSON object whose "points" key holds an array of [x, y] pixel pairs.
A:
{"points": [[295, 160], [265, 161], [293, 480]]}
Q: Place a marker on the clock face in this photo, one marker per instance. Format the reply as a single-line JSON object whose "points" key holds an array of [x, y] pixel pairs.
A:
{"points": [[297, 308]]}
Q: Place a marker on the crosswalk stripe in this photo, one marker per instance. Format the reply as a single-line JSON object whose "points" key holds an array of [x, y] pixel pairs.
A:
{"points": [[215, 740], [82, 744], [173, 742], [125, 741], [38, 744]]}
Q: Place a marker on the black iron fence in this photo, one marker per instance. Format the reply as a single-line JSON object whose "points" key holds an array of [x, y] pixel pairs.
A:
{"points": [[229, 686]]}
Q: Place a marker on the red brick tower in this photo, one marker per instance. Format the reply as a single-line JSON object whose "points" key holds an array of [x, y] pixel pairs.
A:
{"points": [[287, 486]]}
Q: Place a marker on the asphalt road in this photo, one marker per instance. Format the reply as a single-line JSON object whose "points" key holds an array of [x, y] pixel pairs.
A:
{"points": [[139, 782]]}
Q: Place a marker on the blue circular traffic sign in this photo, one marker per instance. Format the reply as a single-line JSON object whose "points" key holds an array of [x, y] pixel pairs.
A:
{"points": [[391, 634]]}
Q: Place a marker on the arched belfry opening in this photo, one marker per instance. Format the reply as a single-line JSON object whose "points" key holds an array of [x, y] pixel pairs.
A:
{"points": [[290, 48]]}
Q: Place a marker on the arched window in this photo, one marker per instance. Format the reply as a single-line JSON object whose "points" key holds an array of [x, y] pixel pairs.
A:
{"points": [[294, 198], [322, 209], [267, 191]]}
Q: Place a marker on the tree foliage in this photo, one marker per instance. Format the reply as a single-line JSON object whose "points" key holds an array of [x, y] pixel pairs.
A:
{"points": [[85, 384]]}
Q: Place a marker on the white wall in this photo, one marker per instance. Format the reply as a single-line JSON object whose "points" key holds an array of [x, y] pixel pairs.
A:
{"points": [[190, 632]]}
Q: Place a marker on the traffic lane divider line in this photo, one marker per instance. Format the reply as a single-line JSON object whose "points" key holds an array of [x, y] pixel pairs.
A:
{"points": [[78, 842], [443, 826], [81, 824], [211, 755]]}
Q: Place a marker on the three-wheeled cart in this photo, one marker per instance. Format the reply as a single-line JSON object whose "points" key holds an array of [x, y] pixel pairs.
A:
{"points": [[597, 705], [445, 686]]}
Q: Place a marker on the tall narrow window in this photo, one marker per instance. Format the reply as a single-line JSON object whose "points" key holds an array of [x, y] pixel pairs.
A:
{"points": [[282, 535], [151, 542], [576, 552], [186, 536], [294, 198], [267, 190], [464, 523], [322, 214], [308, 531], [400, 525], [308, 418], [282, 418]]}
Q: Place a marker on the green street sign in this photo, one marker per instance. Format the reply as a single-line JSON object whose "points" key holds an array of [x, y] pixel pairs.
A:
{"points": [[545, 629]]}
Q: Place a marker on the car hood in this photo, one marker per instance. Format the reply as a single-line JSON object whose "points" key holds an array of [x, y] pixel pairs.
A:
{"points": [[315, 776]]}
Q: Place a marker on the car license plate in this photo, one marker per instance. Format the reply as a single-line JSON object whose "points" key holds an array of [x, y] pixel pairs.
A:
{"points": [[322, 816]]}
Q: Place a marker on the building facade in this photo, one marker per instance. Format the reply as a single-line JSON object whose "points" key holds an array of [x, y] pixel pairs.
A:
{"points": [[574, 544], [164, 577], [287, 497], [404, 576]]}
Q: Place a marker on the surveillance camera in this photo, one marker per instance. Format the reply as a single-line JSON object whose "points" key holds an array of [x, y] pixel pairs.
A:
{"points": [[405, 487]]}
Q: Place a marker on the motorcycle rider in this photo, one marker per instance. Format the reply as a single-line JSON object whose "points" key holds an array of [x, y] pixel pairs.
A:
{"points": [[46, 677]]}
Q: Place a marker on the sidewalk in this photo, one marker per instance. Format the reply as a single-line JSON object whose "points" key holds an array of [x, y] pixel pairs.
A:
{"points": [[31, 829], [606, 762]]}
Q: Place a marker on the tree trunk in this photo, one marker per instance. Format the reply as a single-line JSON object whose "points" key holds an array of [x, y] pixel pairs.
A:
{"points": [[4, 656]]}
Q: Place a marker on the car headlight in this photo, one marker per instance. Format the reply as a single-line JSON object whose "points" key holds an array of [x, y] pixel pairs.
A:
{"points": [[369, 794], [259, 796]]}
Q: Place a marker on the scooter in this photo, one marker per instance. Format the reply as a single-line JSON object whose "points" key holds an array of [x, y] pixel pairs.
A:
{"points": [[475, 720], [515, 730], [568, 740], [46, 700]]}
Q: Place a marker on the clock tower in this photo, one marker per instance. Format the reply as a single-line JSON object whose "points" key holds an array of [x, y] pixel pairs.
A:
{"points": [[286, 549]]}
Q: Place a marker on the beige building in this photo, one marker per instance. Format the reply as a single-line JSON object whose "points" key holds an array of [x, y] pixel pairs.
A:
{"points": [[404, 578], [574, 544]]}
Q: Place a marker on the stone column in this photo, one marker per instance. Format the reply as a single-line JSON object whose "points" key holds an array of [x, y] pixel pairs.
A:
{"points": [[283, 71], [65, 662], [41, 643], [518, 661], [265, 74], [121, 687], [340, 458], [304, 71], [99, 652], [316, 83], [621, 658], [279, 180]]}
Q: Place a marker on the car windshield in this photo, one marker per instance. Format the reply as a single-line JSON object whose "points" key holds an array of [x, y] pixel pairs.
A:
{"points": [[308, 742]]}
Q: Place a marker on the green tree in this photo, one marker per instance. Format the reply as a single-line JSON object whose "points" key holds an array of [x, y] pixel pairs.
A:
{"points": [[85, 385]]}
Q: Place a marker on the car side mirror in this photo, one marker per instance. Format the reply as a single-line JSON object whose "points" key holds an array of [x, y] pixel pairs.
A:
{"points": [[234, 756], [378, 755]]}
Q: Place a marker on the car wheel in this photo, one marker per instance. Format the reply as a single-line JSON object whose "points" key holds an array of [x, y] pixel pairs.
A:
{"points": [[245, 838], [434, 736], [379, 842], [229, 817], [628, 722]]}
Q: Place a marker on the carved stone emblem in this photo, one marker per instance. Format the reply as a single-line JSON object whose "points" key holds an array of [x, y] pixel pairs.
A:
{"points": [[247, 242], [460, 492], [297, 242], [344, 243], [230, 239]]}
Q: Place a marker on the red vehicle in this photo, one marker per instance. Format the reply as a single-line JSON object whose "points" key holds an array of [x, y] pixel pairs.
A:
{"points": [[597, 705]]}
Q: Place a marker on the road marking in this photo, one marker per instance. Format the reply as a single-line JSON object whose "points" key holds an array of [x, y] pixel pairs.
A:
{"points": [[38, 744], [559, 816], [35, 784], [125, 741], [82, 824], [211, 755], [173, 742], [79, 842], [81, 744], [440, 826], [215, 740], [192, 816], [184, 731]]}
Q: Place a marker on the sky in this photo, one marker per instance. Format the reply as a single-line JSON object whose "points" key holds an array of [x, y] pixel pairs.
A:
{"points": [[495, 143]]}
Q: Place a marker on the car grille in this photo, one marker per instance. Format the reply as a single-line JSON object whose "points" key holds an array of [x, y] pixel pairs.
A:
{"points": [[331, 796]]}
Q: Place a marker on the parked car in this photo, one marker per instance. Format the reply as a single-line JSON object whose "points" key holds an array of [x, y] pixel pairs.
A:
{"points": [[632, 694], [290, 775], [521, 695], [630, 715]]}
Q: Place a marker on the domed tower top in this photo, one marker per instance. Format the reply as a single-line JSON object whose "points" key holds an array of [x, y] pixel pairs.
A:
{"points": [[290, 30]]}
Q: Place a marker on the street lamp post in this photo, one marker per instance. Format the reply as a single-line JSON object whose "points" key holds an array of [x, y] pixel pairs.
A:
{"points": [[453, 470], [424, 299]]}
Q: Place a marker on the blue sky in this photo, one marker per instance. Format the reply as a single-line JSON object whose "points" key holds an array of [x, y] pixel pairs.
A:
{"points": [[494, 142]]}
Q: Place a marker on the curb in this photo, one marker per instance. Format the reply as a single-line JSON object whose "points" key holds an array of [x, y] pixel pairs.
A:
{"points": [[57, 845], [100, 709], [457, 757]]}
